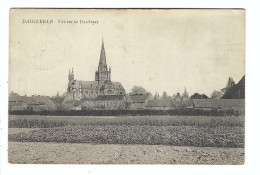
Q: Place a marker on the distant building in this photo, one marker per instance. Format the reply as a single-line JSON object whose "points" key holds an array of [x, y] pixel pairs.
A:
{"points": [[72, 104], [181, 101], [79, 89], [57, 101], [185, 95], [177, 98], [237, 91], [35, 103], [109, 102], [160, 104], [89, 105], [219, 104], [139, 101], [106, 102]]}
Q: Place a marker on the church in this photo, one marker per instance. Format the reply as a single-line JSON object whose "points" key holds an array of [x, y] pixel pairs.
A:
{"points": [[102, 86]]}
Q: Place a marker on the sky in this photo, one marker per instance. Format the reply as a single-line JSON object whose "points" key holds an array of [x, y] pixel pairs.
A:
{"points": [[160, 50]]}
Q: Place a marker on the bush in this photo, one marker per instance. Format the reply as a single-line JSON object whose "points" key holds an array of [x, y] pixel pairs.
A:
{"points": [[174, 112]]}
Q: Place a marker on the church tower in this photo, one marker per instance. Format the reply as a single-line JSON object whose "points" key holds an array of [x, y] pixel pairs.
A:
{"points": [[71, 76], [71, 79], [103, 74]]}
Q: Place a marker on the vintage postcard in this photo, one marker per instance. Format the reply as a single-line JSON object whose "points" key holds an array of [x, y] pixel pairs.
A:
{"points": [[126, 86]]}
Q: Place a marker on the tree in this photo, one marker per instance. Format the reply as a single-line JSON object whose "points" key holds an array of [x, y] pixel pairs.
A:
{"points": [[127, 102], [229, 85], [156, 96], [216, 94], [185, 94], [199, 96], [164, 96], [138, 90]]}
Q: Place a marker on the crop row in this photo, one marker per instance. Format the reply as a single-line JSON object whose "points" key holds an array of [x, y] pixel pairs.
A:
{"points": [[221, 136], [144, 112], [57, 121]]}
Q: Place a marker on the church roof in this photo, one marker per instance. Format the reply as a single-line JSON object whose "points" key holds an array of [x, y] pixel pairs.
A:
{"points": [[112, 84], [95, 85], [109, 97], [102, 60]]}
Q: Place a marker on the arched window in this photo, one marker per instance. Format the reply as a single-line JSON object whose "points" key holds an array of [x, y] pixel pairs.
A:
{"points": [[109, 92]]}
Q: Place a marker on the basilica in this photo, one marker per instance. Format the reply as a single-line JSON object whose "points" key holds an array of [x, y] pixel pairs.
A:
{"points": [[102, 86]]}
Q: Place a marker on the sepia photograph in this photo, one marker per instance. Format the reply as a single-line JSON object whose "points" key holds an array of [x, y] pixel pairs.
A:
{"points": [[126, 86]]}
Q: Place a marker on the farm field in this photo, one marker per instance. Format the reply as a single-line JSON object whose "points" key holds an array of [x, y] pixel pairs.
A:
{"points": [[35, 121], [216, 136], [83, 153]]}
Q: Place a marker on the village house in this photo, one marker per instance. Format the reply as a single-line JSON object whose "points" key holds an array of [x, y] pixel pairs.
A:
{"points": [[72, 104], [109, 101], [89, 104], [33, 103], [219, 104], [182, 101], [160, 104], [139, 101], [237, 91], [104, 102]]}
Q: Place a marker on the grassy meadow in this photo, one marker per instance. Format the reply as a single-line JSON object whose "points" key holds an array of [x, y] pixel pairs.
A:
{"points": [[199, 131]]}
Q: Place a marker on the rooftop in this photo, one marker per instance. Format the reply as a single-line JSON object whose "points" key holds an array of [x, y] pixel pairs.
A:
{"points": [[219, 103]]}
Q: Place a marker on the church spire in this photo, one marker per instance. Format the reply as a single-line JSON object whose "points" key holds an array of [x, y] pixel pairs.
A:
{"points": [[103, 74], [185, 93], [102, 42], [102, 61]]}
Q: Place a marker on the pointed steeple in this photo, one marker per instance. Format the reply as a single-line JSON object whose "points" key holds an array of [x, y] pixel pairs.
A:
{"points": [[102, 61], [185, 93], [103, 74], [71, 76]]}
